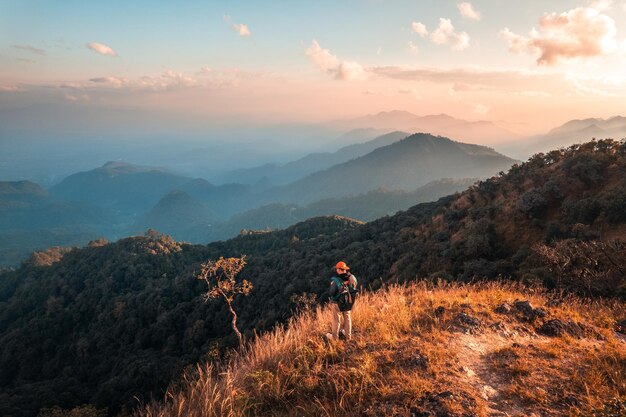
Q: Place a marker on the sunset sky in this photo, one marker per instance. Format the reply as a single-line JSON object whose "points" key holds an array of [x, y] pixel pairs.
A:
{"points": [[535, 62]]}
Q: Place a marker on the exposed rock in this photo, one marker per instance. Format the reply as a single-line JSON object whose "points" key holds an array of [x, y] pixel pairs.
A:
{"points": [[621, 326], [557, 327], [488, 392], [525, 311], [504, 308], [466, 323]]}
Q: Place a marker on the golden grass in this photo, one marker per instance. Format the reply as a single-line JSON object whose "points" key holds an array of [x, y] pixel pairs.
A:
{"points": [[405, 358]]}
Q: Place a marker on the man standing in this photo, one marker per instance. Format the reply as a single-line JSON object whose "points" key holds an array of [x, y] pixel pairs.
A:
{"points": [[342, 293]]}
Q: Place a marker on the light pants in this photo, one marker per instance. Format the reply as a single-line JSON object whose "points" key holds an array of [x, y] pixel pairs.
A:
{"points": [[344, 318]]}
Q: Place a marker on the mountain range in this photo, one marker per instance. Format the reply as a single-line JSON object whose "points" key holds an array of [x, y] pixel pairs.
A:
{"points": [[281, 174], [484, 132], [573, 131], [404, 165]]}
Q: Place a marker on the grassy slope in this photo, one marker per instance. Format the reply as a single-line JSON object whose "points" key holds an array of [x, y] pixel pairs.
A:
{"points": [[409, 359]]}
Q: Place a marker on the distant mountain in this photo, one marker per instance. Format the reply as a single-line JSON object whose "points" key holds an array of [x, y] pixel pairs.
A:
{"points": [[440, 124], [282, 174], [31, 219], [404, 165], [119, 186], [175, 212], [364, 207], [223, 200], [21, 191], [569, 133]]}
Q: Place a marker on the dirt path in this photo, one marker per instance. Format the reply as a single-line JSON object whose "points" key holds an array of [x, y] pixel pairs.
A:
{"points": [[473, 351]]}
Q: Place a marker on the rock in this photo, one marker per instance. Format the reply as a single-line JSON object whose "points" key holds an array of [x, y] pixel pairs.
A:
{"points": [[466, 323], [488, 392], [504, 308], [621, 326], [557, 327], [526, 311], [445, 394]]}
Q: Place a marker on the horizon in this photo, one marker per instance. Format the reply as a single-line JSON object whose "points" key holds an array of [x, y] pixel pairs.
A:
{"points": [[198, 67]]}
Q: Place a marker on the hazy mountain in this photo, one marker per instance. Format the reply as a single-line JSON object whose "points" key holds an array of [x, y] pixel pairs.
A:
{"points": [[177, 212], [24, 191], [363, 207], [119, 186], [404, 165], [223, 200], [282, 174], [569, 133], [31, 219], [440, 124]]}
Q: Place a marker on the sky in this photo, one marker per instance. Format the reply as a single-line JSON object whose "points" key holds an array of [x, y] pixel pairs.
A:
{"points": [[198, 63]]}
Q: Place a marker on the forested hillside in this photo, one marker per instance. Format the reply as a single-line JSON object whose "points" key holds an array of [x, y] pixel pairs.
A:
{"points": [[113, 321]]}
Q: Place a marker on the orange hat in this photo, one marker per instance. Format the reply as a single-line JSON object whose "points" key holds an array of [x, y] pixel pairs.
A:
{"points": [[342, 265]]}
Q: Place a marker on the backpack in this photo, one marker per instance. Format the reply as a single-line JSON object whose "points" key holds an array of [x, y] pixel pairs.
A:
{"points": [[346, 294]]}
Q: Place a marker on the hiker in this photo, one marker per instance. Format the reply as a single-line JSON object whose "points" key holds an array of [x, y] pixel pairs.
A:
{"points": [[342, 293]]}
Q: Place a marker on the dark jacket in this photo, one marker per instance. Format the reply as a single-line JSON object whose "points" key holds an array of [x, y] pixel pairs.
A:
{"points": [[334, 289]]}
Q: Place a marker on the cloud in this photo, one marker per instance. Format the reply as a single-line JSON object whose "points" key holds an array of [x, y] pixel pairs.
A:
{"points": [[327, 62], [110, 81], [583, 32], [445, 34], [30, 48], [242, 29], [413, 48], [101, 49], [419, 28], [467, 11]]}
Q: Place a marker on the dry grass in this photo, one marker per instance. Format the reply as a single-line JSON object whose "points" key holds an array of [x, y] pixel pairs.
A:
{"points": [[407, 358]]}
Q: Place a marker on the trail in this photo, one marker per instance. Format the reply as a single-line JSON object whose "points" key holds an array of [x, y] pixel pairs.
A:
{"points": [[473, 352]]}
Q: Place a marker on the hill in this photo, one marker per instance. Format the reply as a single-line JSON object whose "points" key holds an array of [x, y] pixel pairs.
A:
{"points": [[109, 322], [424, 350], [185, 221], [177, 213], [31, 219], [281, 174], [120, 186], [405, 165]]}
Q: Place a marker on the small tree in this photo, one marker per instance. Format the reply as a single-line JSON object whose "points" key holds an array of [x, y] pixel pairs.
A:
{"points": [[220, 276]]}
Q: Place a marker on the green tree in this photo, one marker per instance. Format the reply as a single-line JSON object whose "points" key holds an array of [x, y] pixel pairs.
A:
{"points": [[221, 276]]}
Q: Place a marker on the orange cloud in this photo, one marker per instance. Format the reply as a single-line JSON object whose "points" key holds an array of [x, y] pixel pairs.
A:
{"points": [[578, 33]]}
